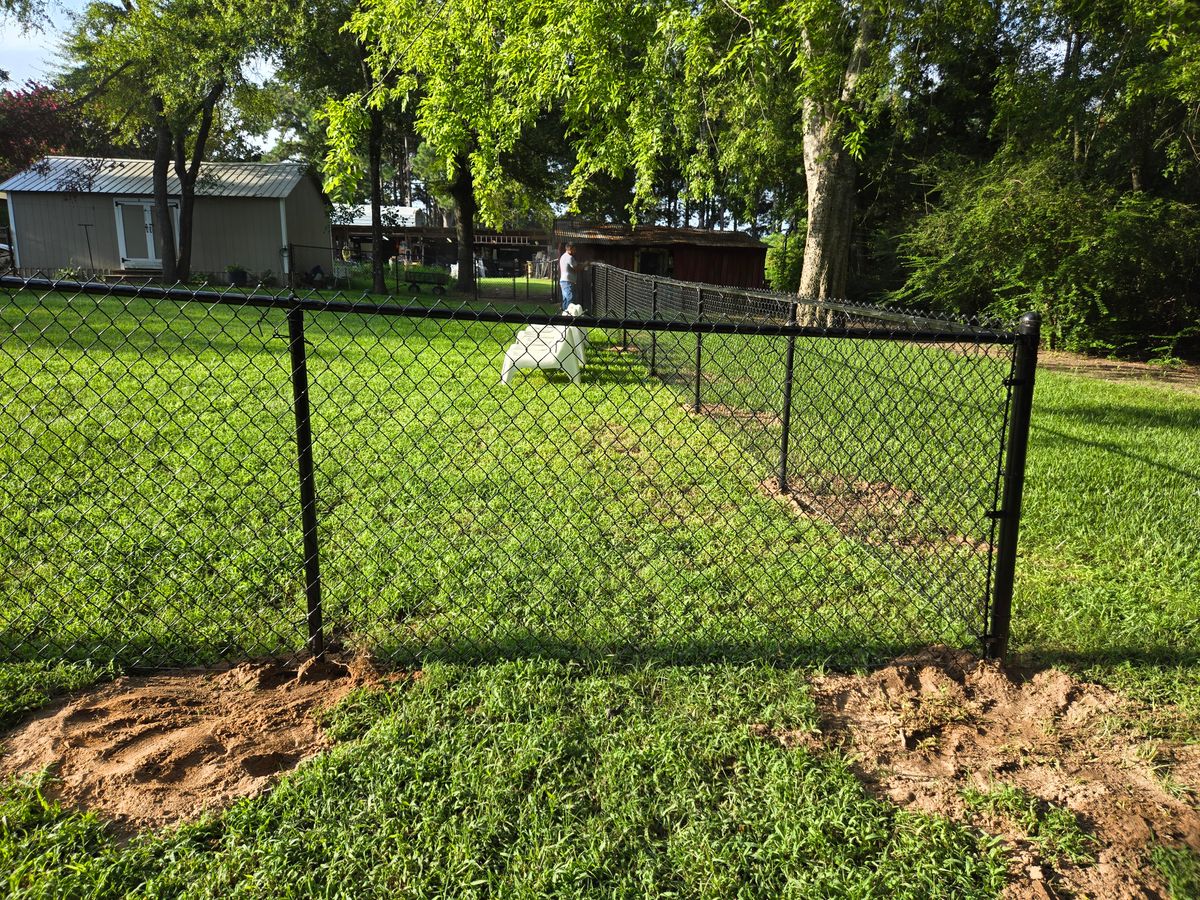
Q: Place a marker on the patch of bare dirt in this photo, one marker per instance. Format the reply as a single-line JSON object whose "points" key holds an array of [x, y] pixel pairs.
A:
{"points": [[161, 749], [733, 412], [615, 439], [927, 727], [1184, 377], [877, 512]]}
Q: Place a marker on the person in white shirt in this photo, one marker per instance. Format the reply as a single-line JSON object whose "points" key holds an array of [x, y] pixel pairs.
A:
{"points": [[567, 275]]}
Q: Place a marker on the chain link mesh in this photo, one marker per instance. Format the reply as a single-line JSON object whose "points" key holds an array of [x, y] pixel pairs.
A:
{"points": [[735, 475]]}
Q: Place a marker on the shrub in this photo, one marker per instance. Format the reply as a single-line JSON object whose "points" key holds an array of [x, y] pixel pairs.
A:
{"points": [[785, 258], [1109, 272]]}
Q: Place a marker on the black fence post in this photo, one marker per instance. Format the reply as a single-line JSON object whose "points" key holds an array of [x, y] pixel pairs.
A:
{"points": [[653, 317], [789, 368], [308, 487], [1024, 369], [699, 342]]}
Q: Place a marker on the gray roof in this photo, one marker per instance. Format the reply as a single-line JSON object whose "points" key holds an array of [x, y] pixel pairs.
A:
{"points": [[91, 175]]}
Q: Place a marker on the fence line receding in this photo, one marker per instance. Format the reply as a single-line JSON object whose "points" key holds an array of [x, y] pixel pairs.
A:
{"points": [[189, 476]]}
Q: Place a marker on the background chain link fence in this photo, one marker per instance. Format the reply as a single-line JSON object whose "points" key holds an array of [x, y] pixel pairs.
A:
{"points": [[190, 476]]}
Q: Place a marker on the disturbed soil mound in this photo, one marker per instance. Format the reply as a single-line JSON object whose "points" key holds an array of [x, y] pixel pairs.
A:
{"points": [[160, 749], [929, 727]]}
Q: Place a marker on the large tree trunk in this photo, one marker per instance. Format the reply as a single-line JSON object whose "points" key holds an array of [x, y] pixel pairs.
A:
{"points": [[164, 231], [829, 172], [463, 192], [375, 155], [188, 173]]}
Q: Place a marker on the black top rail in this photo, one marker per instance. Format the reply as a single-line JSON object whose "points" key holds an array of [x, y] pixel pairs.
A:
{"points": [[946, 333], [785, 302]]}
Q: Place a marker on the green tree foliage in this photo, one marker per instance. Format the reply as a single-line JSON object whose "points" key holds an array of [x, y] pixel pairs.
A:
{"points": [[467, 68], [885, 125], [1108, 271], [785, 258], [1087, 210], [170, 66]]}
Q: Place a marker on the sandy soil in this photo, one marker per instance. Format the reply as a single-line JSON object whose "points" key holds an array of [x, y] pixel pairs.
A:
{"points": [[156, 750], [925, 728]]}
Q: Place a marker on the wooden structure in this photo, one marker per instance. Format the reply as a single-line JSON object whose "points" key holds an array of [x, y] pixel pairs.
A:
{"points": [[730, 258]]}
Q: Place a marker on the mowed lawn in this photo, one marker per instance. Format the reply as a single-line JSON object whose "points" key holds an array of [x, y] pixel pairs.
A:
{"points": [[535, 775], [149, 505]]}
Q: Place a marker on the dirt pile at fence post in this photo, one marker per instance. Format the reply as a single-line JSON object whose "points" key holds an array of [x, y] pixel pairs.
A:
{"points": [[929, 729], [155, 750]]}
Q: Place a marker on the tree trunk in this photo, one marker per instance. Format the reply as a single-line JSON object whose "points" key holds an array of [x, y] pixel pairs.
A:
{"points": [[463, 192], [188, 172], [407, 170], [829, 172], [375, 154], [164, 231], [187, 205]]}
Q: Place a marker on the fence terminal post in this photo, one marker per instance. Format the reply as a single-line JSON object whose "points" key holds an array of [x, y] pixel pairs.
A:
{"points": [[1024, 369], [308, 489], [788, 369]]}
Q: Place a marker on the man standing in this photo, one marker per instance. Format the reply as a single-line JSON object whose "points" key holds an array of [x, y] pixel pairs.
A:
{"points": [[567, 275]]}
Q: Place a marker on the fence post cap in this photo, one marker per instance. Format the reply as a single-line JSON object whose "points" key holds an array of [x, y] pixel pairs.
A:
{"points": [[1030, 322]]}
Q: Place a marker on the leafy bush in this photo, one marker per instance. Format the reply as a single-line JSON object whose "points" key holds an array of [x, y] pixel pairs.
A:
{"points": [[1109, 272], [785, 258]]}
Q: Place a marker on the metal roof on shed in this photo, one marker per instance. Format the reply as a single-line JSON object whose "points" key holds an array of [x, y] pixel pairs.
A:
{"points": [[90, 175]]}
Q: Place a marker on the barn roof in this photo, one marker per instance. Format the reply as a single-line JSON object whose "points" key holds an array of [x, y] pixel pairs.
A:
{"points": [[653, 235], [94, 175]]}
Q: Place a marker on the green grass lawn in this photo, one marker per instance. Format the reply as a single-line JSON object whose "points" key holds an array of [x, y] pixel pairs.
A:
{"points": [[148, 509], [533, 779], [1109, 577], [538, 523]]}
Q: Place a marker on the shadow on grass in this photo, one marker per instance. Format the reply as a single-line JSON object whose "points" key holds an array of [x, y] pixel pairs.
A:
{"points": [[1129, 415], [1039, 428], [1031, 658]]}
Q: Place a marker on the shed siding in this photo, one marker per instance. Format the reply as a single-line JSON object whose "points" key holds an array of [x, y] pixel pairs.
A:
{"points": [[236, 231], [732, 266], [308, 229], [728, 266], [50, 237]]}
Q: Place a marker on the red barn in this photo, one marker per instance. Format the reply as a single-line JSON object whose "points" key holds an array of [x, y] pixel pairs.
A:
{"points": [[730, 258]]}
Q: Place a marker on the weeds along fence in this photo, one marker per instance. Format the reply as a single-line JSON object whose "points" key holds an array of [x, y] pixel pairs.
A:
{"points": [[194, 476]]}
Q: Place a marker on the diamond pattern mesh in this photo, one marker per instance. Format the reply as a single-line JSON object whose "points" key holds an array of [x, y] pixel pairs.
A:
{"points": [[150, 509]]}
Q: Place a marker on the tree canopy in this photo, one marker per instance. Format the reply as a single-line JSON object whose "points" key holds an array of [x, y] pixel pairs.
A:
{"points": [[974, 155]]}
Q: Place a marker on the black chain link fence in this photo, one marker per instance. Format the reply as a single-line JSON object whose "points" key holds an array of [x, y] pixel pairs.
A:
{"points": [[190, 476]]}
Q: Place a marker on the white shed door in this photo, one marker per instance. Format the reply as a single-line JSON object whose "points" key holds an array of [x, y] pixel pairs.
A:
{"points": [[135, 232]]}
